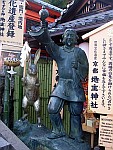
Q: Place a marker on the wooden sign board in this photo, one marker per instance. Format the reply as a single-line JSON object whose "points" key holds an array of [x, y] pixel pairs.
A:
{"points": [[100, 84], [106, 148], [106, 132], [12, 23]]}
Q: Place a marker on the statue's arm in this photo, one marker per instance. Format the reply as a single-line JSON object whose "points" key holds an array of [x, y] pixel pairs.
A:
{"points": [[37, 83], [24, 81], [51, 47], [43, 36], [83, 65]]}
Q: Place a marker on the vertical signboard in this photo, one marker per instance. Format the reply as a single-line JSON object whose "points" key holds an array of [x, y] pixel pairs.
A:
{"points": [[1, 61], [106, 132], [100, 86], [12, 23]]}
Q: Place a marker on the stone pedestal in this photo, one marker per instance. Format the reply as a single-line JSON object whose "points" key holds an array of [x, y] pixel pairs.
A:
{"points": [[9, 141], [64, 143], [4, 145], [40, 141], [36, 138]]}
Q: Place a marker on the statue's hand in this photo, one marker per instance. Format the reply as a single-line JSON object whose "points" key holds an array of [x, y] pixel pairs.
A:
{"points": [[24, 81], [43, 15], [44, 24], [37, 84]]}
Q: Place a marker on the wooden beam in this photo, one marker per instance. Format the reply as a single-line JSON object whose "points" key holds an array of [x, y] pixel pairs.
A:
{"points": [[73, 10], [87, 35], [108, 2], [32, 15], [35, 16], [37, 7]]}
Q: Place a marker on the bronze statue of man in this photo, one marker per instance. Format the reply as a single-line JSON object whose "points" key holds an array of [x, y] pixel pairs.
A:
{"points": [[72, 69]]}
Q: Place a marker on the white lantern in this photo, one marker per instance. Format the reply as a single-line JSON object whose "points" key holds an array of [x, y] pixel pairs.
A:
{"points": [[85, 46]]}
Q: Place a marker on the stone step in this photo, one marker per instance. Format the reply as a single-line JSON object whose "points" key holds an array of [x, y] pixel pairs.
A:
{"points": [[8, 138], [4, 145]]}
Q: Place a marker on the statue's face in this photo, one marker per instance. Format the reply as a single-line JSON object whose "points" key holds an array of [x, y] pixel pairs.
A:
{"points": [[32, 70], [70, 38]]}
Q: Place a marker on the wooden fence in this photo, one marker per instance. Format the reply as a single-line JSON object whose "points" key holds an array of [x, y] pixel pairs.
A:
{"points": [[45, 79]]}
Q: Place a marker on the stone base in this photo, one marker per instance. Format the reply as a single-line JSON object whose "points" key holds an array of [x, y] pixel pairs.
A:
{"points": [[9, 141], [36, 138], [4, 145], [41, 142]]}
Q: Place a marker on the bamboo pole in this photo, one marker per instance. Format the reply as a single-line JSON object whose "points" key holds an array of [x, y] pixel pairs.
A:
{"points": [[6, 100]]}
